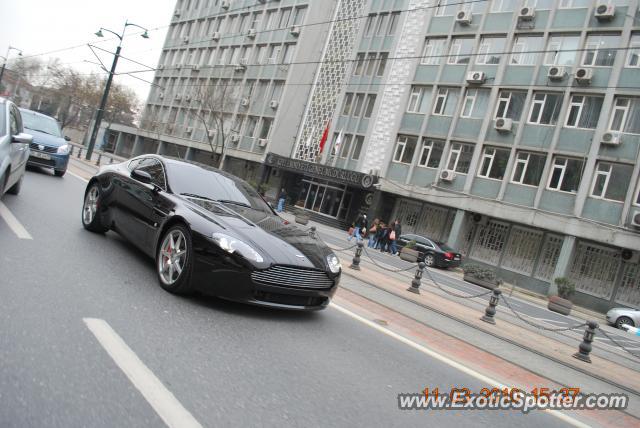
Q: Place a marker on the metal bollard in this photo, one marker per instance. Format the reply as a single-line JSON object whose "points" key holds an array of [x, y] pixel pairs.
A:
{"points": [[79, 152], [71, 147], [490, 310], [99, 159], [585, 346], [356, 259], [415, 282]]}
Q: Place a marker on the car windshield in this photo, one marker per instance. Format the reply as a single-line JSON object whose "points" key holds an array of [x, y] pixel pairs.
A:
{"points": [[195, 181], [37, 122]]}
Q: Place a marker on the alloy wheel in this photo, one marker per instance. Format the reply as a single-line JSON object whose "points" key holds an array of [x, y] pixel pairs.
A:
{"points": [[173, 256], [90, 205], [429, 260]]}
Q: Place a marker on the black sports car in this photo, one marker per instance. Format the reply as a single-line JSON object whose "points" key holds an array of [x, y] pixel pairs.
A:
{"points": [[432, 253], [212, 232]]}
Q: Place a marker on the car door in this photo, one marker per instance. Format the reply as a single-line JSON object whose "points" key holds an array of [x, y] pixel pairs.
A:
{"points": [[18, 152]]}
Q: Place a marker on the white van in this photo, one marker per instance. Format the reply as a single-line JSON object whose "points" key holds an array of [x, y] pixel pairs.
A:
{"points": [[14, 148]]}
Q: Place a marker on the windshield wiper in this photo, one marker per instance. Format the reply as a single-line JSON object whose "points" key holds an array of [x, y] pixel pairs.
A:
{"points": [[42, 130], [191, 195], [226, 201]]}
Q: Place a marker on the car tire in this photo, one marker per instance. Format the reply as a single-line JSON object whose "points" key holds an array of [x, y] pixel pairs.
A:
{"points": [[622, 321], [174, 260], [15, 189], [430, 260], [90, 210], [59, 173], [3, 182]]}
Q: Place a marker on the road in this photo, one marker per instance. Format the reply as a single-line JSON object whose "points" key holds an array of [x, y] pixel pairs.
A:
{"points": [[219, 363]]}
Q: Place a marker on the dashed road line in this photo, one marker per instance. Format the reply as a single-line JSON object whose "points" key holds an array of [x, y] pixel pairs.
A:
{"points": [[159, 397], [13, 223]]}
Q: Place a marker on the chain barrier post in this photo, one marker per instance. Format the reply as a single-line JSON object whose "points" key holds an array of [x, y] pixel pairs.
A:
{"points": [[355, 265], [79, 152], [110, 160], [490, 311], [585, 346], [415, 282], [99, 158]]}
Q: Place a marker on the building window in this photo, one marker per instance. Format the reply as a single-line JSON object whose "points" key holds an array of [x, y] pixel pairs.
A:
{"points": [[545, 108], [393, 23], [447, 7], [561, 50], [600, 50], [346, 106], [611, 181], [371, 63], [510, 105], [298, 15], [475, 103], [633, 58], [359, 64], [284, 18], [433, 51], [526, 50], [357, 105], [382, 64], [345, 146], [460, 156], [460, 50], [489, 242], [594, 269], [368, 107], [265, 128], [522, 250], [431, 153], [490, 51], [528, 168], [626, 115], [358, 140], [629, 289], [565, 174], [405, 147], [584, 112], [570, 4], [287, 55], [419, 99], [368, 28], [381, 24], [504, 5], [494, 163], [549, 257], [446, 101]]}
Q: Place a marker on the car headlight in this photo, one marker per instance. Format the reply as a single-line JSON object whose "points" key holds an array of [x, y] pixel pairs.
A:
{"points": [[234, 245], [63, 149], [334, 263]]}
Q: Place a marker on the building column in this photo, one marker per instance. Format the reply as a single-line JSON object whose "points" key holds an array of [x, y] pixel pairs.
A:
{"points": [[375, 209], [119, 142], [138, 146], [563, 265], [457, 229]]}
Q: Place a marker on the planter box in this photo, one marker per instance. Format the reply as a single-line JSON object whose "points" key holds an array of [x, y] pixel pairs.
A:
{"points": [[409, 254], [481, 282], [559, 305], [302, 218]]}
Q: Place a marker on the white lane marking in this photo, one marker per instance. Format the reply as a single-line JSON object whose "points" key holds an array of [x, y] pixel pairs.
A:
{"points": [[551, 321], [78, 177], [13, 223], [151, 388], [467, 370]]}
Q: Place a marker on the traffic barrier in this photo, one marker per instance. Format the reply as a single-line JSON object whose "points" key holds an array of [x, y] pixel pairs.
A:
{"points": [[415, 282], [490, 311], [355, 264], [584, 349]]}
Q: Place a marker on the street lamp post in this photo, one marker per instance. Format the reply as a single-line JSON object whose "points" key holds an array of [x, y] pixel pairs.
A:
{"points": [[6, 59], [107, 87]]}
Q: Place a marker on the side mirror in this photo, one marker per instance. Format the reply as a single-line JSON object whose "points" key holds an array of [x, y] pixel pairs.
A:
{"points": [[141, 176], [67, 138], [22, 138]]}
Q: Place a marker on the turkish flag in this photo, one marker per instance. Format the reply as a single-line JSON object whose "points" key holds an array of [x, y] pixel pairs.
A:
{"points": [[325, 135]]}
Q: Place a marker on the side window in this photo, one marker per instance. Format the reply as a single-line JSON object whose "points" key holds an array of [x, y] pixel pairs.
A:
{"points": [[155, 169], [14, 125], [134, 164]]}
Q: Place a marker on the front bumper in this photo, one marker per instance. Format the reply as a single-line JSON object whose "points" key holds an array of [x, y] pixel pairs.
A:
{"points": [[48, 160]]}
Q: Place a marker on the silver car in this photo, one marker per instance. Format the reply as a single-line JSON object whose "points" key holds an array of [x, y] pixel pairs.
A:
{"points": [[620, 316], [14, 148]]}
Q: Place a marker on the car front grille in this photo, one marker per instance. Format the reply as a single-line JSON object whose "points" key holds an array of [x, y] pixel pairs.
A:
{"points": [[46, 149], [286, 276], [42, 162]]}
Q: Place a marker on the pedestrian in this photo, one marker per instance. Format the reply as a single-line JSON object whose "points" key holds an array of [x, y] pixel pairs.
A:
{"points": [[373, 233], [385, 239], [393, 235], [282, 198], [379, 235], [360, 224]]}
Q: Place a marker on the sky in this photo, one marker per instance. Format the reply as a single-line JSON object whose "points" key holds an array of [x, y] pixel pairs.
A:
{"points": [[40, 26]]}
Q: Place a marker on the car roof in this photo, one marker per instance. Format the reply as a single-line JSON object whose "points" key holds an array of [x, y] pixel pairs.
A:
{"points": [[172, 160]]}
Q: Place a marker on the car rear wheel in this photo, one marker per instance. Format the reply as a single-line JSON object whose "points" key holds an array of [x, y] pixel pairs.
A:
{"points": [[15, 189], [624, 321], [90, 216], [429, 260], [174, 260]]}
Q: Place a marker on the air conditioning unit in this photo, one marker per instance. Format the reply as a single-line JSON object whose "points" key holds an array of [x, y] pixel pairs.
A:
{"points": [[189, 130], [295, 30], [243, 61], [463, 17], [177, 13], [161, 67], [244, 102], [215, 36], [234, 138], [630, 256], [240, 67], [170, 127], [225, 4], [195, 68], [251, 33], [611, 138], [262, 142], [583, 75], [447, 175], [187, 97], [161, 95], [178, 97], [480, 219], [527, 14], [178, 66], [273, 104], [185, 39], [635, 219], [477, 77], [605, 12], [556, 72], [503, 124], [211, 133]]}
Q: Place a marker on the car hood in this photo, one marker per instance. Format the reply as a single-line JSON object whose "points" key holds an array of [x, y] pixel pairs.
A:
{"points": [[45, 139], [277, 242]]}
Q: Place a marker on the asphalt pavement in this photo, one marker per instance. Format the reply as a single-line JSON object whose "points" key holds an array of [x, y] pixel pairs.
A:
{"points": [[224, 364]]}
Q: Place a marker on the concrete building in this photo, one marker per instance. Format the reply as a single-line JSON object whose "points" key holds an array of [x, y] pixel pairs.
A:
{"points": [[508, 128]]}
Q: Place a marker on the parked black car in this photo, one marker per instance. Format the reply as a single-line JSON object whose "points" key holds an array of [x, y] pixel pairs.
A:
{"points": [[212, 232], [433, 253]]}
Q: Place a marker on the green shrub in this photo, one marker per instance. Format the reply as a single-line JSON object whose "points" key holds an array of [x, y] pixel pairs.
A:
{"points": [[480, 272], [411, 245], [566, 287]]}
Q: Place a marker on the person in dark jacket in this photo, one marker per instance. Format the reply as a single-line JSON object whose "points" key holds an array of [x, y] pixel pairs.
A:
{"points": [[360, 225], [282, 198]]}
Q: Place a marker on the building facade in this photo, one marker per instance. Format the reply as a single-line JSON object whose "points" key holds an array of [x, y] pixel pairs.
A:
{"points": [[508, 128]]}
